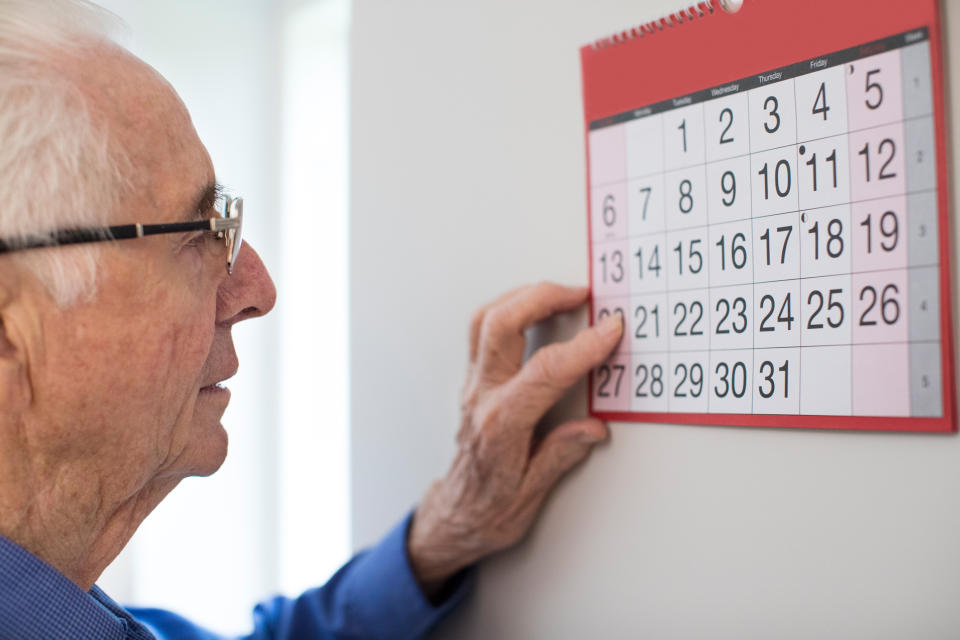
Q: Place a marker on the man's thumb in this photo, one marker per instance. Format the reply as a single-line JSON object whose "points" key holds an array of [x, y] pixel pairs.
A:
{"points": [[561, 450]]}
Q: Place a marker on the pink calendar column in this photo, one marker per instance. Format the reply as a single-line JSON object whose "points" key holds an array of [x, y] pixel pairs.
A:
{"points": [[879, 284], [610, 267]]}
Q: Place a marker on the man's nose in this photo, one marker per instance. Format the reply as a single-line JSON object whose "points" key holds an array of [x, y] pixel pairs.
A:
{"points": [[247, 293]]}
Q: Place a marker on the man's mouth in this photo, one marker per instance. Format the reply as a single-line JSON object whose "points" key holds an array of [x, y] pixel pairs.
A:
{"points": [[216, 386]]}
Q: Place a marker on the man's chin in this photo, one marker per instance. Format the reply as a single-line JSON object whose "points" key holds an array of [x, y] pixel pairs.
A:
{"points": [[209, 452], [210, 448]]}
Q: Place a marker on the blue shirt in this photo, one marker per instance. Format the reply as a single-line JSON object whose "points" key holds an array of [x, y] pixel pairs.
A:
{"points": [[375, 595]]}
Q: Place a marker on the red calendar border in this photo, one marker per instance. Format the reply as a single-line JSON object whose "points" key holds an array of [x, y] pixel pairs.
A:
{"points": [[720, 47]]}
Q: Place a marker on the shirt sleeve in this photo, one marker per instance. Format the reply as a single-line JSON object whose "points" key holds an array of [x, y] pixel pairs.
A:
{"points": [[375, 595]]}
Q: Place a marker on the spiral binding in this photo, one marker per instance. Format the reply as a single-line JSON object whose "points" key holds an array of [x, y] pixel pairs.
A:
{"points": [[693, 12]]}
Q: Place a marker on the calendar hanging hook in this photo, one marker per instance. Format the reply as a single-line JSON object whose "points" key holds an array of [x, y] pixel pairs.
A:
{"points": [[731, 6]]}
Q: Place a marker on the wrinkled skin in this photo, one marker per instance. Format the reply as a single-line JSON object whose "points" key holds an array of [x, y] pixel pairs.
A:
{"points": [[501, 475]]}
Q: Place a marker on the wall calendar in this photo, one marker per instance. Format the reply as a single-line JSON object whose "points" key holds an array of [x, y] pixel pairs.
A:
{"points": [[768, 212]]}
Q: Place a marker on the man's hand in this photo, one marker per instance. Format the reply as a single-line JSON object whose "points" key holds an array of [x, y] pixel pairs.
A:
{"points": [[502, 473]]}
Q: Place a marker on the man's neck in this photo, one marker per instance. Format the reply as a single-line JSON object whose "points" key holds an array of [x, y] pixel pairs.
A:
{"points": [[74, 518]]}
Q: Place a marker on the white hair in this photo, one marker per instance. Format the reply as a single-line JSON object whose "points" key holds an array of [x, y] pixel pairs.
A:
{"points": [[58, 167]]}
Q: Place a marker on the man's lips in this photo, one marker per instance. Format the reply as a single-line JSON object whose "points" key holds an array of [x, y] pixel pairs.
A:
{"points": [[217, 386]]}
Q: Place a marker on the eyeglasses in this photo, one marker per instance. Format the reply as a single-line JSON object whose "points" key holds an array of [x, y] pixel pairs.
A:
{"points": [[228, 226]]}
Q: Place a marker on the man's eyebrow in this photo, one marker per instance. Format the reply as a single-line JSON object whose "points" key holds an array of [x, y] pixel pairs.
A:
{"points": [[205, 200]]}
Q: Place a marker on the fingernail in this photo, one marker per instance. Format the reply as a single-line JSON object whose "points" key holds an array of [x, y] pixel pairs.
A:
{"points": [[612, 325]]}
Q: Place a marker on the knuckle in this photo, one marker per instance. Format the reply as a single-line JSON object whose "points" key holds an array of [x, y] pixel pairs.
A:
{"points": [[545, 364], [488, 417], [470, 396], [544, 290], [494, 323], [544, 286], [519, 291]]}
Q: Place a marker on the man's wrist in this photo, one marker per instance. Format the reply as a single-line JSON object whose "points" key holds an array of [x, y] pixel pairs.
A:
{"points": [[435, 553]]}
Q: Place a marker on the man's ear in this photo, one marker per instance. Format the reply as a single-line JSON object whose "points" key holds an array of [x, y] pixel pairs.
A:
{"points": [[16, 392]]}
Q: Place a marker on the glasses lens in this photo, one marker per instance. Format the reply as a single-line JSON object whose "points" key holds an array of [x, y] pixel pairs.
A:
{"points": [[234, 236]]}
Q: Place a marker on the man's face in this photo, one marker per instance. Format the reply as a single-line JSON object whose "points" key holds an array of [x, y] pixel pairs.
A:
{"points": [[129, 378]]}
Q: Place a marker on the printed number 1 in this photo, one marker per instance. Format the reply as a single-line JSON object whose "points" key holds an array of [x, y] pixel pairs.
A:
{"points": [[683, 129], [812, 163]]}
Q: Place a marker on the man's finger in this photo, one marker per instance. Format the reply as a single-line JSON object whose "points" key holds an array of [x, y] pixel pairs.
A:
{"points": [[501, 332], [560, 451], [476, 321], [555, 368]]}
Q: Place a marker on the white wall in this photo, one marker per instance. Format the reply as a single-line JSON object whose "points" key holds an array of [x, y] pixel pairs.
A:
{"points": [[313, 492], [468, 179]]}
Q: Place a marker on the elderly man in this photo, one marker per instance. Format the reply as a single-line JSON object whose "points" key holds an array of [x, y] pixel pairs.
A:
{"points": [[121, 276]]}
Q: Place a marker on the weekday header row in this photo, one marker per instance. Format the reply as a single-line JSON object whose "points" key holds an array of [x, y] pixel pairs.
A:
{"points": [[794, 70]]}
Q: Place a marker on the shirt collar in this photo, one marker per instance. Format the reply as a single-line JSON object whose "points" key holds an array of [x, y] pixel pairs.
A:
{"points": [[38, 602]]}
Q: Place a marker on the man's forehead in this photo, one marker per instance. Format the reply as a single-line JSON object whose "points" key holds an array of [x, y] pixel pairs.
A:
{"points": [[146, 118]]}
